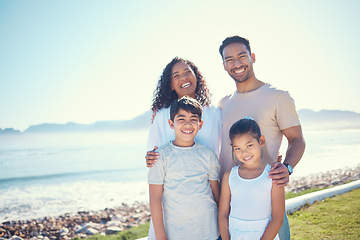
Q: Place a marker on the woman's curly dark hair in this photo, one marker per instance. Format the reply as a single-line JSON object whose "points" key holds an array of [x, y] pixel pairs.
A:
{"points": [[164, 96]]}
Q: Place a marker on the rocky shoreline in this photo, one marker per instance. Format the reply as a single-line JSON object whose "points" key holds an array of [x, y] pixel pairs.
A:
{"points": [[112, 221]]}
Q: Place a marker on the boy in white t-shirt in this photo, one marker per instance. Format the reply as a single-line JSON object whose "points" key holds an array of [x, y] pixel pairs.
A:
{"points": [[183, 185]]}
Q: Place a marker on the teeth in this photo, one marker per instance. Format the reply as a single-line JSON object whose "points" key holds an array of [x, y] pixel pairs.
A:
{"points": [[247, 158], [240, 71], [185, 85], [188, 131]]}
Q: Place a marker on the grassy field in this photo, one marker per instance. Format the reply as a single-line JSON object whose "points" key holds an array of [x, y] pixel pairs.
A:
{"points": [[332, 218]]}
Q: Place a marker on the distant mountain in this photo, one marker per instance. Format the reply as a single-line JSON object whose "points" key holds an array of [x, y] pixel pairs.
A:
{"points": [[9, 131], [329, 119], [142, 121], [321, 120]]}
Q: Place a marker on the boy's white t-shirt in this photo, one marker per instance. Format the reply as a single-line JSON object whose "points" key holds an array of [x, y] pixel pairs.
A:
{"points": [[209, 135], [190, 211]]}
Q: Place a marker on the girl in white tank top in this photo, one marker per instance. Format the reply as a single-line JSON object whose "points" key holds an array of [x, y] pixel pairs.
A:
{"points": [[250, 207]]}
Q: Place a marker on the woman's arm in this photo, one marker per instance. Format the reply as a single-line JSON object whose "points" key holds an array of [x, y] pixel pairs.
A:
{"points": [[224, 208], [155, 192], [277, 212], [159, 134], [151, 157]]}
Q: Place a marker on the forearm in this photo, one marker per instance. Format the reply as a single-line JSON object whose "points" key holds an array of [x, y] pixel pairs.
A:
{"points": [[224, 226], [295, 151], [277, 212], [157, 218], [157, 211], [272, 229], [215, 188]]}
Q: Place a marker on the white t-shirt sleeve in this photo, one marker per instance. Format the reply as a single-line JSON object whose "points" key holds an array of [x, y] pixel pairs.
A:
{"points": [[210, 134], [214, 173], [160, 132], [154, 134], [286, 114], [156, 174]]}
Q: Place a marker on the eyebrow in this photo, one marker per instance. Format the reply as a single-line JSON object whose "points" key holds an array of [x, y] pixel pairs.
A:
{"points": [[236, 55], [178, 71], [194, 115], [251, 141]]}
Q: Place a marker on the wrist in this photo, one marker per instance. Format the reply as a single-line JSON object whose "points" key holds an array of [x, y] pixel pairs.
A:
{"points": [[289, 168]]}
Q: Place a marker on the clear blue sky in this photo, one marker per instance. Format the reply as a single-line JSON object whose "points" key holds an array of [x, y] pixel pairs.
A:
{"points": [[86, 61]]}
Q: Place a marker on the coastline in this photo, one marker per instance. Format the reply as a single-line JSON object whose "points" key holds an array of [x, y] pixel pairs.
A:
{"points": [[113, 220]]}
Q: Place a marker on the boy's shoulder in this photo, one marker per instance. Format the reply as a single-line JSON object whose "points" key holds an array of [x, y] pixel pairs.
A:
{"points": [[164, 148], [204, 148]]}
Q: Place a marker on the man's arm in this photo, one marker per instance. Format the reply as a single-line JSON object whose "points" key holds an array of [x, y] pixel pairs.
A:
{"points": [[296, 146], [155, 192], [294, 152]]}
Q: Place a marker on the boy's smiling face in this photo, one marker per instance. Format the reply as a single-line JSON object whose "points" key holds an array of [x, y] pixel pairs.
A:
{"points": [[186, 125]]}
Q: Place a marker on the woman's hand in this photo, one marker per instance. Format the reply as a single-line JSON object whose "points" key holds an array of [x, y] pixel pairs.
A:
{"points": [[151, 157]]}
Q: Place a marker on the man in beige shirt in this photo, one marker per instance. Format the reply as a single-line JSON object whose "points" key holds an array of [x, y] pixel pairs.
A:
{"points": [[273, 109]]}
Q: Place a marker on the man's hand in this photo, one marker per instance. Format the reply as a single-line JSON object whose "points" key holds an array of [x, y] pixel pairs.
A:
{"points": [[151, 157], [279, 174]]}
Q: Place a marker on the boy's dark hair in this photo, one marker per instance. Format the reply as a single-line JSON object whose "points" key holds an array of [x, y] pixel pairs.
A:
{"points": [[244, 126], [185, 103], [234, 39]]}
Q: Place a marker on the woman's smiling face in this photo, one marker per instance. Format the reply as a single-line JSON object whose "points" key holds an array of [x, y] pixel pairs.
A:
{"points": [[183, 80]]}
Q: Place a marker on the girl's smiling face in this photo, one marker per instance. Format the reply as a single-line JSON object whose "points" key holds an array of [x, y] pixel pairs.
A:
{"points": [[183, 80], [247, 149]]}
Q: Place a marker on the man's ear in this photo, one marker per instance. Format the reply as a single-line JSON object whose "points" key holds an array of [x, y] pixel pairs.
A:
{"points": [[262, 140], [253, 58], [171, 124]]}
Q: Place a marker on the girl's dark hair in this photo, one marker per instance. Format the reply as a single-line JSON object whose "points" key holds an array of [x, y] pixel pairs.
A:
{"points": [[164, 96], [243, 126]]}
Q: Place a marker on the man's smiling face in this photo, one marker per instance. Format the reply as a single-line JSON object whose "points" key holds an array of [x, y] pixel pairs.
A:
{"points": [[238, 62]]}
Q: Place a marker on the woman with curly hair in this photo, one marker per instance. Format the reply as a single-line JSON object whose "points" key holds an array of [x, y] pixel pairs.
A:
{"points": [[181, 78], [166, 92]]}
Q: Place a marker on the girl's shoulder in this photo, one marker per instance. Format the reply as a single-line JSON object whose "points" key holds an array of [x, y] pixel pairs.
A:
{"points": [[226, 175], [234, 170]]}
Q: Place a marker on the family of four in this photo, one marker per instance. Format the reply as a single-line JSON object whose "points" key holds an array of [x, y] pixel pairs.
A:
{"points": [[237, 143]]}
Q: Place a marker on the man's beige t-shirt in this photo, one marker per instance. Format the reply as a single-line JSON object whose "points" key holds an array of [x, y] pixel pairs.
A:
{"points": [[273, 109]]}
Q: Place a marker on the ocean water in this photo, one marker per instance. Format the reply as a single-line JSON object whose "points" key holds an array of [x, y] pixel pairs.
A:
{"points": [[49, 175]]}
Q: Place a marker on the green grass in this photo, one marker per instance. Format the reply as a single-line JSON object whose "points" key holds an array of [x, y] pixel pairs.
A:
{"points": [[333, 218]]}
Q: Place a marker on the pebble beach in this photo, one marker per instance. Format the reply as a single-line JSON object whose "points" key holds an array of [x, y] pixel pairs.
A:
{"points": [[114, 220]]}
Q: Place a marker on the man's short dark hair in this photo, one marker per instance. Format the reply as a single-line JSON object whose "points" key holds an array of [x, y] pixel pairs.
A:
{"points": [[234, 39], [185, 103]]}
